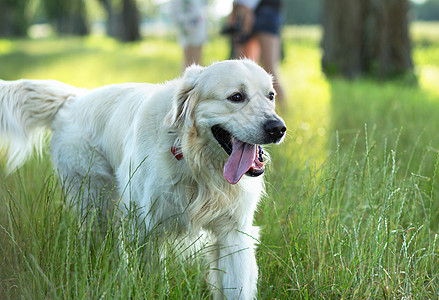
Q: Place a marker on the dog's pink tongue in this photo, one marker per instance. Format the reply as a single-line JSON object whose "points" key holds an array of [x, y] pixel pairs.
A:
{"points": [[240, 161]]}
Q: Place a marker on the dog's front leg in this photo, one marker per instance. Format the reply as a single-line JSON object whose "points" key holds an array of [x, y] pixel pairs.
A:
{"points": [[235, 272]]}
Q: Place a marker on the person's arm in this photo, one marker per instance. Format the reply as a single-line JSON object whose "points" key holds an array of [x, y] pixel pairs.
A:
{"points": [[245, 10]]}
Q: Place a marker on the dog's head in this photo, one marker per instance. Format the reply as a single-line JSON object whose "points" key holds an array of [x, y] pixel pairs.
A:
{"points": [[230, 104]]}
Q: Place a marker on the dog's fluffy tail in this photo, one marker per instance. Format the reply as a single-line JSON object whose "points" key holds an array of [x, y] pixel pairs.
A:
{"points": [[27, 109]]}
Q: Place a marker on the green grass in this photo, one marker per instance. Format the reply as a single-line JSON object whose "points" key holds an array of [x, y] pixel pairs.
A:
{"points": [[353, 196]]}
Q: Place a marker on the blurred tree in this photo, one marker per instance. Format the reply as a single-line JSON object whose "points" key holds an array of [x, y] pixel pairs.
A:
{"points": [[366, 37], [130, 21], [302, 11], [13, 17], [122, 19], [427, 11], [68, 16], [111, 18]]}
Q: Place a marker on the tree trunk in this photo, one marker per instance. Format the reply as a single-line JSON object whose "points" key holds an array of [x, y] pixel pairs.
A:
{"points": [[13, 20], [68, 16], [122, 21], [112, 23], [130, 19], [75, 23], [366, 37]]}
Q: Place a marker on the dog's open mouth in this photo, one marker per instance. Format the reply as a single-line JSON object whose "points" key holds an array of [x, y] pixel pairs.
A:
{"points": [[243, 159]]}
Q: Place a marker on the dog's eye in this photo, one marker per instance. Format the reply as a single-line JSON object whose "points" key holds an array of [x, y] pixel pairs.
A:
{"points": [[237, 97], [271, 96]]}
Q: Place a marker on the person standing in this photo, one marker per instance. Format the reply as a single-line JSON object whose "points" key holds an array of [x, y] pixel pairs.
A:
{"points": [[190, 18], [259, 23]]}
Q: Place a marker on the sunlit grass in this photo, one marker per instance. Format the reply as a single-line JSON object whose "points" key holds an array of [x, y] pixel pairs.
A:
{"points": [[309, 98], [6, 46], [352, 206], [91, 62]]}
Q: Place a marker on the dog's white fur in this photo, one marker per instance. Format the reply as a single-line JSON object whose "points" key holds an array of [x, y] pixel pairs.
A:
{"points": [[123, 133]]}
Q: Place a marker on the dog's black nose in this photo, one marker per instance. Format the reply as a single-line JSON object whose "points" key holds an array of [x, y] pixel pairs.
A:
{"points": [[275, 129]]}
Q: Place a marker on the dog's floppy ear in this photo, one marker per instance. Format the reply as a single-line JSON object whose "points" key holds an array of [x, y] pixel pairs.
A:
{"points": [[185, 99]]}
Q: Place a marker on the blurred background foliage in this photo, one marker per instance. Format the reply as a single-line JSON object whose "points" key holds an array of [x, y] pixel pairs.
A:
{"points": [[123, 18], [359, 38]]}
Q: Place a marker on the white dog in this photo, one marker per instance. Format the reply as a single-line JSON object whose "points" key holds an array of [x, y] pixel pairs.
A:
{"points": [[186, 153]]}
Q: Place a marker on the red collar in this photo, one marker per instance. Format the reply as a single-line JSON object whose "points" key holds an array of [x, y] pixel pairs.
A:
{"points": [[176, 151]]}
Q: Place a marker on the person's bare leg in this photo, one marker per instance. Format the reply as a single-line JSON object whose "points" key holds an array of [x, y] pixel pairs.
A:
{"points": [[252, 49], [269, 59], [192, 55], [248, 50]]}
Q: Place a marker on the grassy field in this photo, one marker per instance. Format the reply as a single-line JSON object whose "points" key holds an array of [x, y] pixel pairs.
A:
{"points": [[353, 195]]}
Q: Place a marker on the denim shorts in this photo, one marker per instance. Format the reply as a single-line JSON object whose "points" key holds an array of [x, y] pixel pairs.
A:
{"points": [[267, 19]]}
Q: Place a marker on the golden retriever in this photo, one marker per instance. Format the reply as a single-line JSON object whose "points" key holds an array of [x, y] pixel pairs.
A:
{"points": [[185, 153]]}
